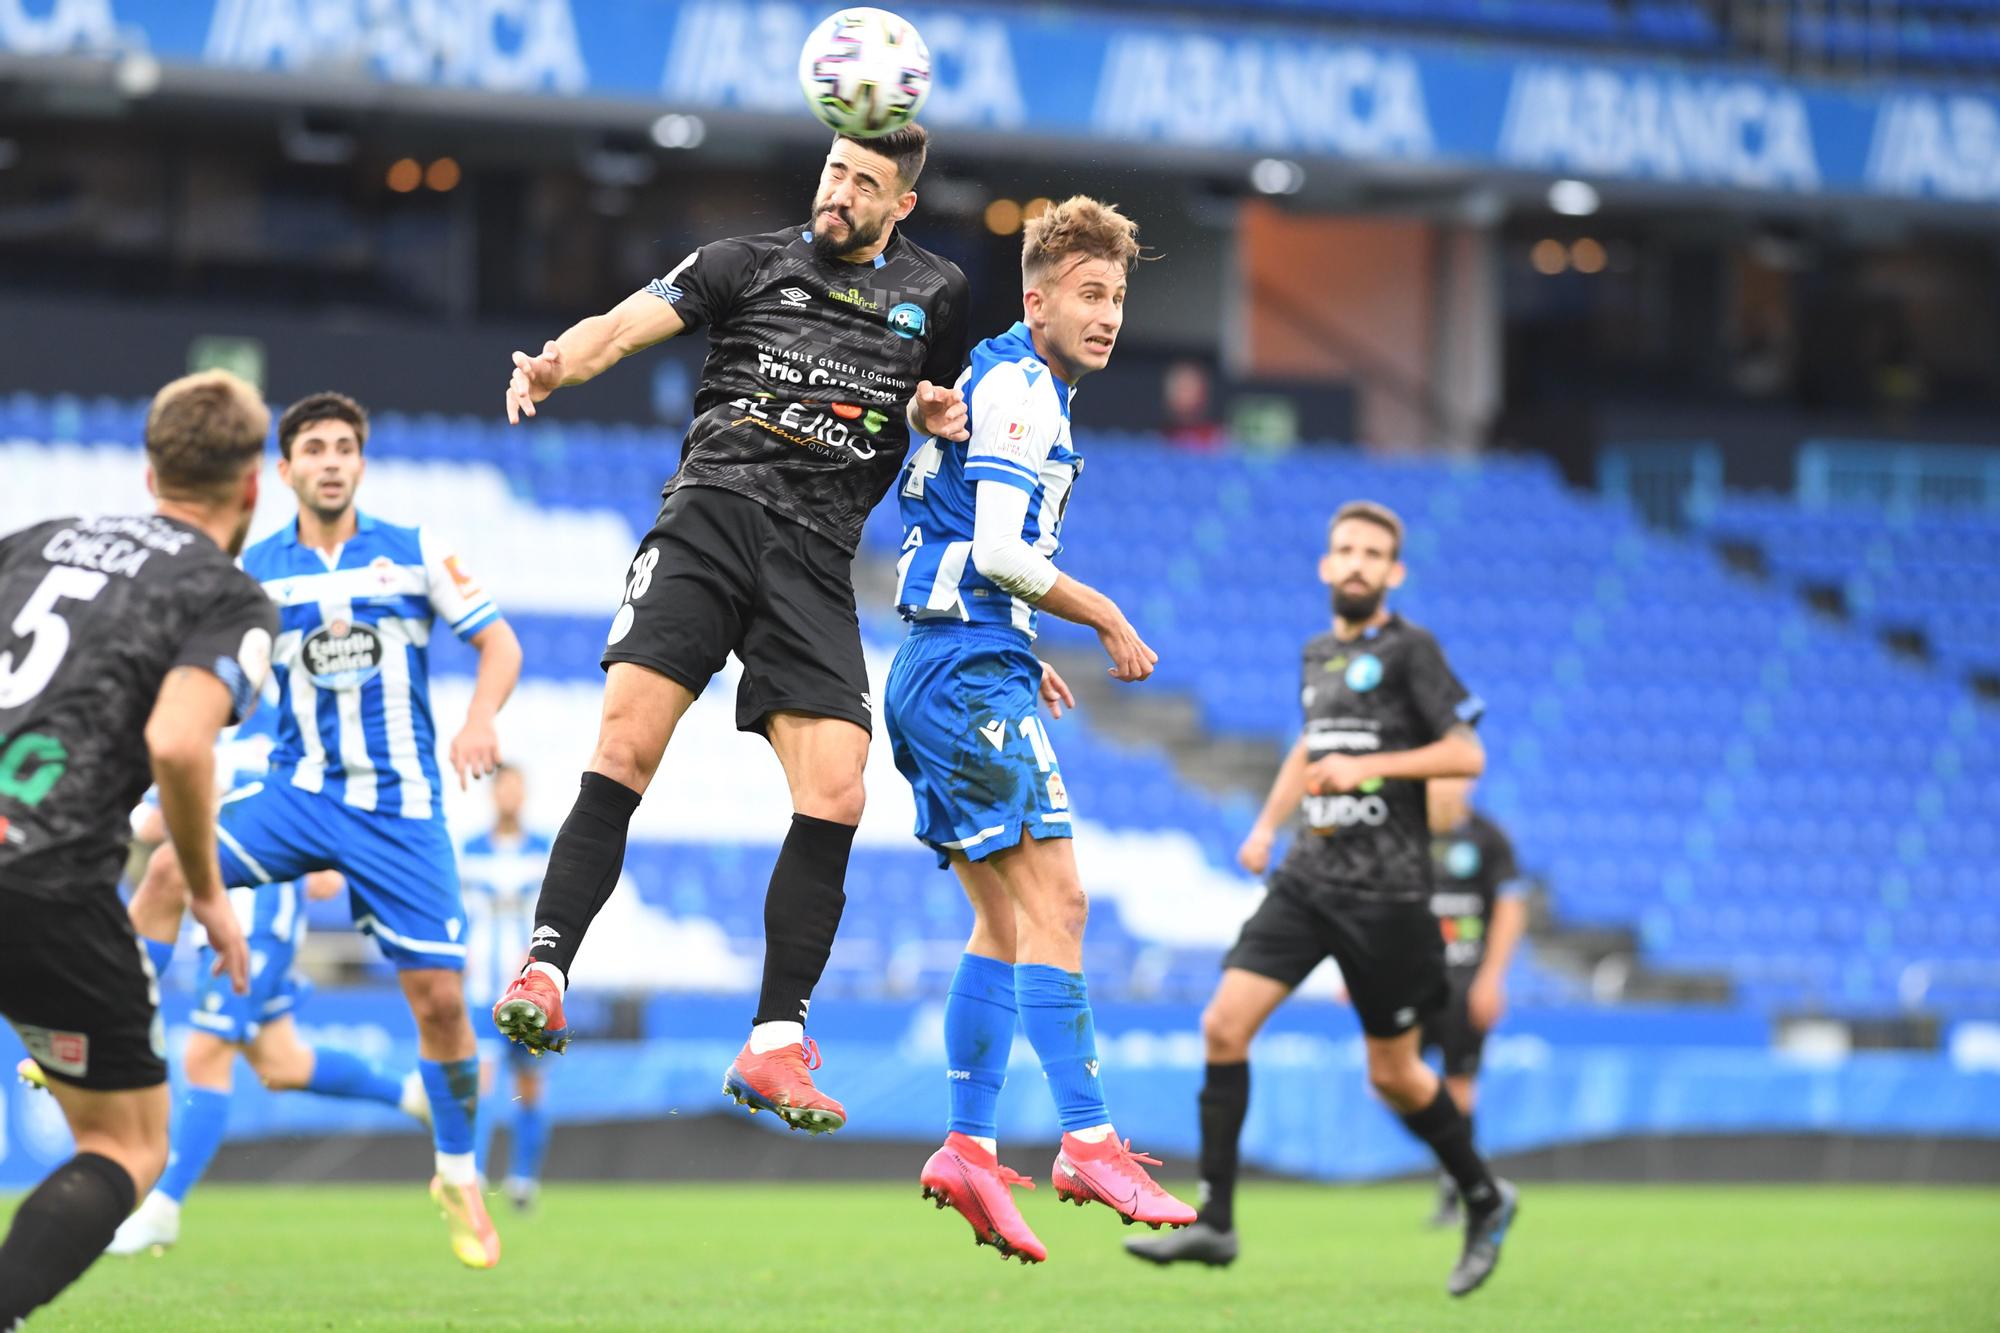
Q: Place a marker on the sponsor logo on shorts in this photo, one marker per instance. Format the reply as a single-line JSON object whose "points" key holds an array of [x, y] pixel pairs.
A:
{"points": [[58, 1052], [342, 655]]}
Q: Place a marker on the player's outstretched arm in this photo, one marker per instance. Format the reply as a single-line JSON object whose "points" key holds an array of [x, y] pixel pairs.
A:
{"points": [[475, 751], [1287, 790], [588, 348], [192, 708], [1456, 754], [998, 552]]}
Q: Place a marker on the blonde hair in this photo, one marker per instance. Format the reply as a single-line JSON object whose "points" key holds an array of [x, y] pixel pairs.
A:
{"points": [[1079, 227], [203, 432]]}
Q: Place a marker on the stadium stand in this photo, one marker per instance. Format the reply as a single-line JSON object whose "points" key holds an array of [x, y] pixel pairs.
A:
{"points": [[1754, 789]]}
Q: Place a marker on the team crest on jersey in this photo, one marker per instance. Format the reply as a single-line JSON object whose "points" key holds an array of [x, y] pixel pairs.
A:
{"points": [[906, 320], [341, 655], [1462, 860], [1364, 673]]}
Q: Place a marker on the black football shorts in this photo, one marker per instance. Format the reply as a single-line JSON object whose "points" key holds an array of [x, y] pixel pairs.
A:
{"points": [[720, 573], [80, 992], [1390, 953], [1450, 1033]]}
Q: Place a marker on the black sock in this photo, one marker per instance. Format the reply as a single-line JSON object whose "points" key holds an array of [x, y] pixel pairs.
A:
{"points": [[801, 915], [1225, 1099], [1448, 1131], [583, 868], [59, 1229]]}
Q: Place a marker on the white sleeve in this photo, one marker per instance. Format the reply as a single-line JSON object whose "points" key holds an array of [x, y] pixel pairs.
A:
{"points": [[456, 596], [999, 511], [1010, 434]]}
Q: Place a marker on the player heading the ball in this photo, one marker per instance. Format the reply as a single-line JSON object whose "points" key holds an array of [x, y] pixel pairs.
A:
{"points": [[830, 342]]}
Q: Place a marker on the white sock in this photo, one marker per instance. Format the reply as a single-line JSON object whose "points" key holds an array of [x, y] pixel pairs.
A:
{"points": [[991, 1145], [457, 1168], [1094, 1134], [770, 1036], [163, 1206], [549, 970]]}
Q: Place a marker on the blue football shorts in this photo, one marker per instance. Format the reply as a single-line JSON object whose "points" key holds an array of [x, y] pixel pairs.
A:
{"points": [[274, 989], [402, 874], [965, 725]]}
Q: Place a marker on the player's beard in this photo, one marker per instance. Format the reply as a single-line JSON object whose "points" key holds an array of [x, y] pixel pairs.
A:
{"points": [[859, 236], [1354, 607]]}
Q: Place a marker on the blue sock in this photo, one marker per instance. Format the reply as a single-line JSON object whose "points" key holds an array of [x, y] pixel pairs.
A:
{"points": [[531, 1141], [197, 1134], [1055, 1009], [160, 954], [978, 1036], [453, 1087], [338, 1073]]}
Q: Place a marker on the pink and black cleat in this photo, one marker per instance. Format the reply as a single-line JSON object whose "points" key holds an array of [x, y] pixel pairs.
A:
{"points": [[1110, 1173], [971, 1179]]}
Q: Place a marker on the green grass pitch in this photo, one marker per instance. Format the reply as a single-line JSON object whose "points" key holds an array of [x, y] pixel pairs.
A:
{"points": [[878, 1257]]}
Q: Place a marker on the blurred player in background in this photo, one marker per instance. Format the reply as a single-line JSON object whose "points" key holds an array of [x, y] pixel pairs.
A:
{"points": [[259, 1025], [501, 869], [131, 641], [981, 520], [1476, 896], [354, 783], [828, 346], [1384, 715]]}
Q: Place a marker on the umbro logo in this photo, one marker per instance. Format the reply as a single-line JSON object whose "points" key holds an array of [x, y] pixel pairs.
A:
{"points": [[795, 298], [544, 935], [1405, 1017]]}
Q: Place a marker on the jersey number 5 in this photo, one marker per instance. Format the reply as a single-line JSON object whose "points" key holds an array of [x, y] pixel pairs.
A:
{"points": [[47, 633]]}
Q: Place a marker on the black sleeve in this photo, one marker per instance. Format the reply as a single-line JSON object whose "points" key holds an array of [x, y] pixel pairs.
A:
{"points": [[1440, 701], [953, 338], [704, 287], [231, 638]]}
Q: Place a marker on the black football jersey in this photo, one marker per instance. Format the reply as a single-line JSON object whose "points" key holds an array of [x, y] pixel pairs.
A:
{"points": [[1471, 866], [94, 612], [1389, 689], [810, 365]]}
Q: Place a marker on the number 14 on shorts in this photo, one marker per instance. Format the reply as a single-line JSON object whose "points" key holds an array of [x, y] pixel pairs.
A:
{"points": [[1036, 734]]}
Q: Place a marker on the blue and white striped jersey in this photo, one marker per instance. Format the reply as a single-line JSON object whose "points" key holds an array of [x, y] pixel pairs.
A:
{"points": [[352, 661], [1019, 420], [501, 878]]}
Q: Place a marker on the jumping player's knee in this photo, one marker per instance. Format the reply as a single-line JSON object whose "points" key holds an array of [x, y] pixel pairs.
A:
{"points": [[626, 758], [836, 797]]}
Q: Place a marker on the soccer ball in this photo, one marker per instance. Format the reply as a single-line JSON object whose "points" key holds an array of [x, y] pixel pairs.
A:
{"points": [[865, 72]]}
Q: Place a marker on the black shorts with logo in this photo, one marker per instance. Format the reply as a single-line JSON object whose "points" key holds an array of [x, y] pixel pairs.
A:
{"points": [[1390, 953], [1450, 1033], [720, 573], [80, 992]]}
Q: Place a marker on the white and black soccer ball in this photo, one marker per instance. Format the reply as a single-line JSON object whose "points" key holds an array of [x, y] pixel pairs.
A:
{"points": [[866, 72]]}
